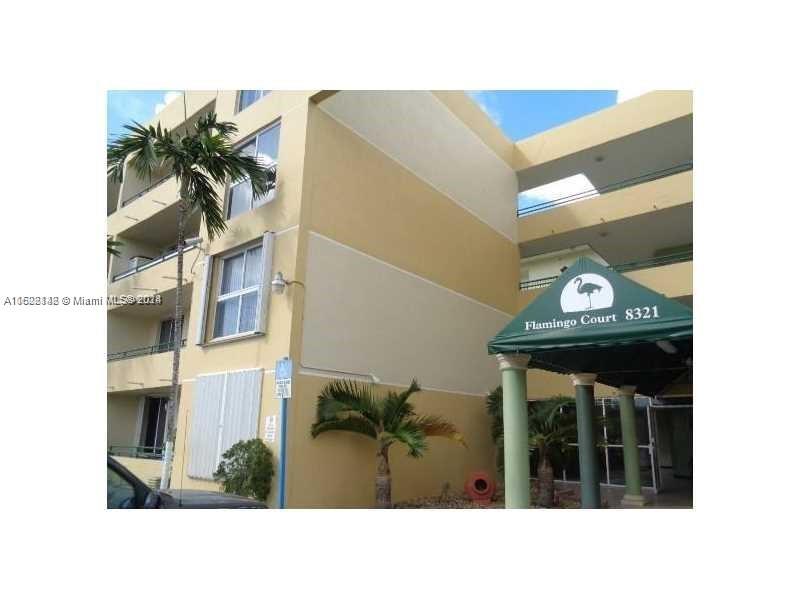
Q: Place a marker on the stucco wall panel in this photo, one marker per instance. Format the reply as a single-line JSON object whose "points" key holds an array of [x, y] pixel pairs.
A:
{"points": [[417, 130], [364, 316]]}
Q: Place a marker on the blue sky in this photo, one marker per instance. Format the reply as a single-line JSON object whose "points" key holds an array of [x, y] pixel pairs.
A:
{"points": [[126, 106], [519, 114]]}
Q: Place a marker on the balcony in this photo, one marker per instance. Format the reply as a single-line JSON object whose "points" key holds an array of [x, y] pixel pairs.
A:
{"points": [[146, 452], [575, 219], [154, 262], [585, 194], [156, 277], [144, 351], [141, 203], [149, 372]]}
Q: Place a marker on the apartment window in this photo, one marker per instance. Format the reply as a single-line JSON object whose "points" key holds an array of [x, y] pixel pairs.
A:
{"points": [[154, 419], [239, 294], [224, 411], [248, 97], [166, 334], [265, 147]]}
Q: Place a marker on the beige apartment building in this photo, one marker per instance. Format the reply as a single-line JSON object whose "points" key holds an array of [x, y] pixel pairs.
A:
{"points": [[399, 213]]}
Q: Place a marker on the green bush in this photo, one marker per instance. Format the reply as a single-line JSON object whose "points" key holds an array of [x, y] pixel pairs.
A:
{"points": [[246, 469]]}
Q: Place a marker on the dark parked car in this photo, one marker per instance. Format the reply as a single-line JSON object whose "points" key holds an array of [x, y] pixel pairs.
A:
{"points": [[125, 490]]}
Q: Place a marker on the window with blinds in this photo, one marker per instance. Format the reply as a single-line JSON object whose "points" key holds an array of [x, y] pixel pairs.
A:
{"points": [[263, 146], [225, 411]]}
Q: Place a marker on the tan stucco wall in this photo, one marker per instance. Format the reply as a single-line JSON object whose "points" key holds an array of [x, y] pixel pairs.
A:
{"points": [[465, 108], [122, 416], [363, 198], [365, 316], [418, 131], [337, 470], [544, 384]]}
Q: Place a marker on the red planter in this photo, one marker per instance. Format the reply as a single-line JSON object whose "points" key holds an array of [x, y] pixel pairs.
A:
{"points": [[480, 487]]}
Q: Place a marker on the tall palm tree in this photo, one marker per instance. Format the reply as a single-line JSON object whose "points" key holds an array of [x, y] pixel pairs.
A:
{"points": [[350, 406], [201, 159], [550, 429]]}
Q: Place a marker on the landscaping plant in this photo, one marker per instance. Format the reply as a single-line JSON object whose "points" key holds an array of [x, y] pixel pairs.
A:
{"points": [[246, 469], [345, 405]]}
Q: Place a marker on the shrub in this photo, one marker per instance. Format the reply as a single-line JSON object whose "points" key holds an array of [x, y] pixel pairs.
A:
{"points": [[246, 469]]}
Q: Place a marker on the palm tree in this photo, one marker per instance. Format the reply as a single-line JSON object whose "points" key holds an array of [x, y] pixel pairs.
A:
{"points": [[201, 160], [549, 432], [345, 405], [550, 429]]}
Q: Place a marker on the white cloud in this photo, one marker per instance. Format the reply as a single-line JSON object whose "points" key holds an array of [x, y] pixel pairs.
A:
{"points": [[628, 93], [488, 104], [168, 97], [569, 189]]}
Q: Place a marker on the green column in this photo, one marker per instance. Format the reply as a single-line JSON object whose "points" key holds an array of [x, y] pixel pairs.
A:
{"points": [[517, 470], [630, 448], [587, 440]]}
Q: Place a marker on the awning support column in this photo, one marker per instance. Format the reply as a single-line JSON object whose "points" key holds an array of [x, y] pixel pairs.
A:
{"points": [[630, 448], [517, 470], [587, 439]]}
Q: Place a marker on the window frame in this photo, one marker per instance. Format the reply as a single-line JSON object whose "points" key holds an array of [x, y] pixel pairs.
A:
{"points": [[240, 108], [246, 180], [220, 297]]}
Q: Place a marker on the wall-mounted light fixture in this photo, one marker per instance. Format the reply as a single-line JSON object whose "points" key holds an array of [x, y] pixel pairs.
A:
{"points": [[279, 284]]}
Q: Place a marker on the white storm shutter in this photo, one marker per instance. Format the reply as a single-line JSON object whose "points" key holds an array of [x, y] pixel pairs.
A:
{"points": [[204, 300], [209, 393], [225, 411], [267, 250], [242, 403]]}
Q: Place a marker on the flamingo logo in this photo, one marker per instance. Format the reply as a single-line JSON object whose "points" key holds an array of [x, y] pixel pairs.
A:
{"points": [[588, 291]]}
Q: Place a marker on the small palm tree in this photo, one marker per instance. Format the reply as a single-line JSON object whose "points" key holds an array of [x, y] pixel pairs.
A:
{"points": [[202, 159], [549, 432], [349, 406], [550, 429]]}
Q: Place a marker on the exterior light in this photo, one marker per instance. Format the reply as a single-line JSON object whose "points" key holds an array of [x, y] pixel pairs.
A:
{"points": [[667, 346], [279, 284]]}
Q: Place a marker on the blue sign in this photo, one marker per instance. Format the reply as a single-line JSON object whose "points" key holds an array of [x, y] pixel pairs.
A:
{"points": [[283, 378]]}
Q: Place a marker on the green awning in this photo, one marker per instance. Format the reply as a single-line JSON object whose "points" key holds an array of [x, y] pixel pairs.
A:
{"points": [[594, 320]]}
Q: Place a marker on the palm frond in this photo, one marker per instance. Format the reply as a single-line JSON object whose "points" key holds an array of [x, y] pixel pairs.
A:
{"points": [[434, 426], [396, 407], [204, 198], [137, 148], [208, 125], [410, 434], [354, 424], [343, 396]]}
